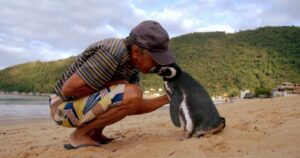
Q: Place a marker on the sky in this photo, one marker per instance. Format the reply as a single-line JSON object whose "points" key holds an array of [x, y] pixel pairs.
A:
{"points": [[47, 30]]}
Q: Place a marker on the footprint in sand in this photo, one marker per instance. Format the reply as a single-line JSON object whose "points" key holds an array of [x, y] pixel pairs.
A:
{"points": [[222, 146], [243, 126]]}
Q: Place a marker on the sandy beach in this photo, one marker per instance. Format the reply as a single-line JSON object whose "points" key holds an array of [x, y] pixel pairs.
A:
{"points": [[255, 128]]}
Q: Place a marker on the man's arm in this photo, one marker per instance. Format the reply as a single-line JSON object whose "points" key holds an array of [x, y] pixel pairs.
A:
{"points": [[75, 86], [149, 105], [93, 75]]}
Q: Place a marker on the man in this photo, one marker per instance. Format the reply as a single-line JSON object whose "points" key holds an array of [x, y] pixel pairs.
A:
{"points": [[101, 87]]}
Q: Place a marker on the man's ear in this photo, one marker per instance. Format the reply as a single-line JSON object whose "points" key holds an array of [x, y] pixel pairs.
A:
{"points": [[135, 51]]}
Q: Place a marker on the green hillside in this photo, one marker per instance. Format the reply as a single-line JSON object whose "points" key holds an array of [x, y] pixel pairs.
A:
{"points": [[223, 63], [33, 77]]}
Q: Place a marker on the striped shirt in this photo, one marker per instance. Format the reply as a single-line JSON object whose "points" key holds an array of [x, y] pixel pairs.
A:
{"points": [[104, 61]]}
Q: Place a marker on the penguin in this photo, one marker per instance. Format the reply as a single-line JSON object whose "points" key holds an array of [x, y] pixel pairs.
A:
{"points": [[190, 103]]}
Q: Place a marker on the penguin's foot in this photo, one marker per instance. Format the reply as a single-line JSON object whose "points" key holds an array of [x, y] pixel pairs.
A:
{"points": [[210, 132]]}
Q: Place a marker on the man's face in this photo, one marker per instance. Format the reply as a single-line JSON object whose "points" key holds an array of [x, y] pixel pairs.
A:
{"points": [[142, 59]]}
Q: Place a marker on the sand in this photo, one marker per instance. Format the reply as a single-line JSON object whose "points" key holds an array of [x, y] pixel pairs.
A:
{"points": [[255, 128]]}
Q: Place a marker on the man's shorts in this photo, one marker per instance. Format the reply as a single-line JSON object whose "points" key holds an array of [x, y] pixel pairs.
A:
{"points": [[80, 112]]}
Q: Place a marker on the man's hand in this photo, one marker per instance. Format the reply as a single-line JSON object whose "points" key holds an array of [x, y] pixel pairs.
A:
{"points": [[149, 105]]}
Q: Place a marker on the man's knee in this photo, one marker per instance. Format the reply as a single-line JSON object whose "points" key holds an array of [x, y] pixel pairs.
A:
{"points": [[133, 96]]}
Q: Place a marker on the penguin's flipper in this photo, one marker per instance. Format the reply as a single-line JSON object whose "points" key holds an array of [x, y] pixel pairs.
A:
{"points": [[176, 100]]}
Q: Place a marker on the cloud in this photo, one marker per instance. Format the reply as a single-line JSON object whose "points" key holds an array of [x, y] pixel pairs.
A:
{"points": [[185, 16], [70, 20], [53, 29], [48, 30], [241, 15]]}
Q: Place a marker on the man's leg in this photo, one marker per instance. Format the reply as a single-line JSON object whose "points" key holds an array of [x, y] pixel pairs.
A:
{"points": [[130, 104], [147, 105]]}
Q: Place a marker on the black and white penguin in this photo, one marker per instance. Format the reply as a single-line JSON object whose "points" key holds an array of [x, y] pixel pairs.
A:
{"points": [[190, 103]]}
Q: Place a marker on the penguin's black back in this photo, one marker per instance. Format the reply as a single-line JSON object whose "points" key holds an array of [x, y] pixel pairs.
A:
{"points": [[199, 103]]}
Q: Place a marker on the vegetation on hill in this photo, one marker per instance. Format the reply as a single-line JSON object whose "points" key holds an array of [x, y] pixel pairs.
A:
{"points": [[222, 63], [246, 60], [33, 77]]}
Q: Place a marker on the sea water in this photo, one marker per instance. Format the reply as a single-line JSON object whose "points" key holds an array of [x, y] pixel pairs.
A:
{"points": [[18, 107], [15, 107]]}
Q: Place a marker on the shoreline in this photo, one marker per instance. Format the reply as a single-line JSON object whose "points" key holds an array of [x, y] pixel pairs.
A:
{"points": [[17, 120], [14, 119], [23, 121], [26, 94]]}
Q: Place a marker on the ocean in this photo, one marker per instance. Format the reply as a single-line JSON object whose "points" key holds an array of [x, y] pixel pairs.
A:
{"points": [[19, 107]]}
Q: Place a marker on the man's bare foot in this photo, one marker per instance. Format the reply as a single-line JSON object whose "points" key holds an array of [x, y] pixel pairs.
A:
{"points": [[77, 139], [99, 137]]}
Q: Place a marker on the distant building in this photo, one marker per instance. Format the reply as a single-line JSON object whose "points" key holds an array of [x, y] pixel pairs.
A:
{"points": [[276, 93], [244, 92], [289, 88]]}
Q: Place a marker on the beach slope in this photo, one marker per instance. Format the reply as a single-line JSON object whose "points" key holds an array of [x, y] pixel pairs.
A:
{"points": [[255, 128]]}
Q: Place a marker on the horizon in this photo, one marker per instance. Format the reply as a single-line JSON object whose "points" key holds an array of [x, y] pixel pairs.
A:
{"points": [[45, 61]]}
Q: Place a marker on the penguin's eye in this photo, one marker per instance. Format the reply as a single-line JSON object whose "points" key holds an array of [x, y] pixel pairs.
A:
{"points": [[164, 72]]}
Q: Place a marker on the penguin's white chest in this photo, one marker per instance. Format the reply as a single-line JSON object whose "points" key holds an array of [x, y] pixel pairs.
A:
{"points": [[186, 115], [188, 124]]}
